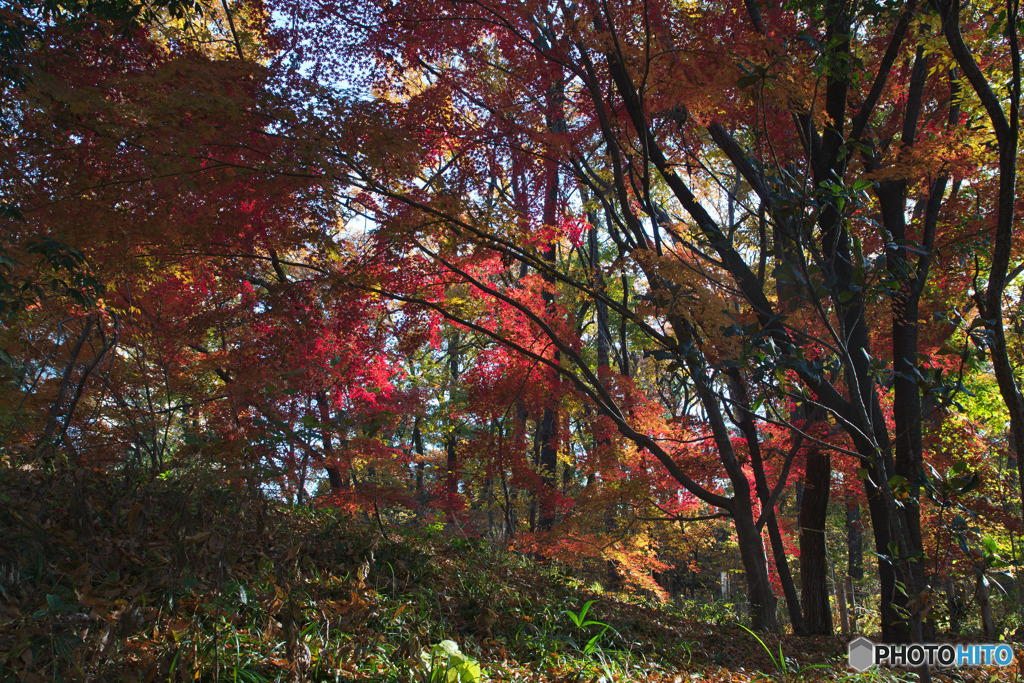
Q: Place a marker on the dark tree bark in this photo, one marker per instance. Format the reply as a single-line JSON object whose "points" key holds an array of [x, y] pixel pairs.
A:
{"points": [[335, 479], [813, 558], [750, 433], [548, 461], [417, 443]]}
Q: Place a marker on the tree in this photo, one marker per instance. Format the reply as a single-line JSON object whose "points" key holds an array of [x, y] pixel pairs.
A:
{"points": [[798, 122], [147, 260], [1003, 123]]}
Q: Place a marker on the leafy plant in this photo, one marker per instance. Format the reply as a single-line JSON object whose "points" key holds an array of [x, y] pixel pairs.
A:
{"points": [[445, 663], [782, 665], [581, 623]]}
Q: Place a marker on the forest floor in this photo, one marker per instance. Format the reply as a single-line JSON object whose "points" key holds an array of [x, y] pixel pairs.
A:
{"points": [[173, 578]]}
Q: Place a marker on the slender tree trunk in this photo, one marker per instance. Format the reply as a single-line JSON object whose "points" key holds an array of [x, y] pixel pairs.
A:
{"points": [[981, 594], [46, 440], [331, 465], [752, 552], [854, 542], [844, 610], [417, 444], [548, 436], [451, 440], [854, 559], [762, 599], [604, 345], [749, 430], [1006, 127]]}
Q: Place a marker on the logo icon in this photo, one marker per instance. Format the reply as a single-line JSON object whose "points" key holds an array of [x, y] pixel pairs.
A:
{"points": [[862, 654]]}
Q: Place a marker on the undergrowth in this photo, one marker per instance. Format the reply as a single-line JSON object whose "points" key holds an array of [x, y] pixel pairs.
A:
{"points": [[183, 578]]}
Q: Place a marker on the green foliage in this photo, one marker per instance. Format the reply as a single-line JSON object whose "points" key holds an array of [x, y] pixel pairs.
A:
{"points": [[445, 663], [785, 668], [717, 612], [57, 269], [581, 623]]}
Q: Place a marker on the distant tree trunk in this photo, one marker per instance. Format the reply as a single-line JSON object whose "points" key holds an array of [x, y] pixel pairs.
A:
{"points": [[303, 470], [334, 478], [604, 337], [854, 542], [45, 442], [854, 559], [548, 461], [529, 455], [417, 444], [623, 348], [451, 486], [487, 500], [955, 605], [988, 623], [451, 440], [604, 344], [548, 465], [508, 508]]}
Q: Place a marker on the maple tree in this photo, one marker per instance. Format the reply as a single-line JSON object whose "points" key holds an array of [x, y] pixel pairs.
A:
{"points": [[789, 202], [141, 230]]}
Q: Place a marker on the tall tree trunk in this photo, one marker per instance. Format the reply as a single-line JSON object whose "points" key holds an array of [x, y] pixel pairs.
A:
{"points": [[813, 558], [752, 552], [604, 344], [762, 599], [604, 337], [417, 444], [548, 465], [548, 462], [1006, 127]]}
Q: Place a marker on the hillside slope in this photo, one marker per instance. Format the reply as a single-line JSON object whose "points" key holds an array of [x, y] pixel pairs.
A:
{"points": [[178, 578]]}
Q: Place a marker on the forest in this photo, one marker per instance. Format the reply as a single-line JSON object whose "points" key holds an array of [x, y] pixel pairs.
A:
{"points": [[463, 340]]}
